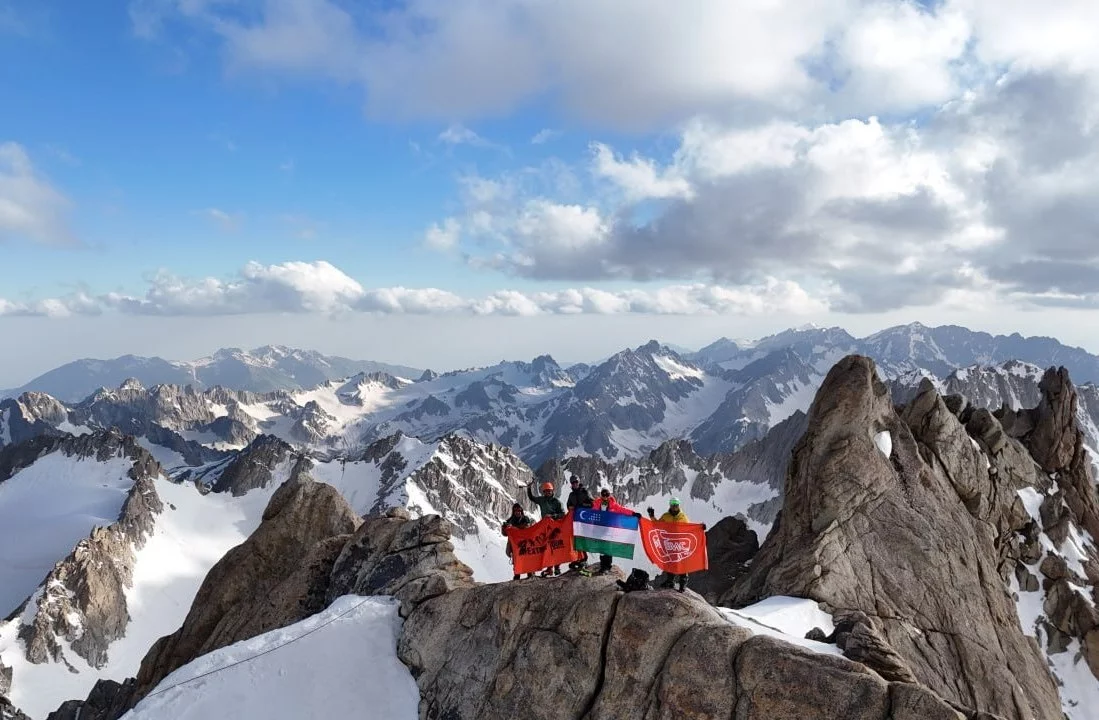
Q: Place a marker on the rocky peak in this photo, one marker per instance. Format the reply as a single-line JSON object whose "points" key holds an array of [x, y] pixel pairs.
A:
{"points": [[131, 384], [82, 600], [275, 577], [252, 468], [428, 376], [888, 515], [40, 406]]}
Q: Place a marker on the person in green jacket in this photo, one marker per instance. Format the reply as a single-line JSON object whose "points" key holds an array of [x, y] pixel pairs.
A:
{"points": [[549, 506]]}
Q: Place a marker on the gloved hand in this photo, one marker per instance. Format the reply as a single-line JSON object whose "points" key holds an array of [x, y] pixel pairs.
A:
{"points": [[652, 513]]}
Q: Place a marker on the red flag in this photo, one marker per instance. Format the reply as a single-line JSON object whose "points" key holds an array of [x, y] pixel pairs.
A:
{"points": [[674, 547], [544, 544]]}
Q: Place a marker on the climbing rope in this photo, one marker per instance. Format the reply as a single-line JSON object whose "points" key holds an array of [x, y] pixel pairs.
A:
{"points": [[265, 652]]}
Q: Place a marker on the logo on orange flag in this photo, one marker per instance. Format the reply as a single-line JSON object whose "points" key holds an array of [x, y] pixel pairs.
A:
{"points": [[676, 548], [544, 544]]}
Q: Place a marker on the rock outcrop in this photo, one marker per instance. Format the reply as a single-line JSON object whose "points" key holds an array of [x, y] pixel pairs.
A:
{"points": [[578, 648], [411, 559], [264, 583], [730, 545], [107, 700], [9, 711], [254, 467], [82, 600], [901, 518]]}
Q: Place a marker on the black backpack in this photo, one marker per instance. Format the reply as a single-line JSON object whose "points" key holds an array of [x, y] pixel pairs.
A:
{"points": [[638, 580]]}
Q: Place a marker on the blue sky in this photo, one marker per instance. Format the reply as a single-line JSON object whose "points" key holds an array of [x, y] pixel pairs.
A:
{"points": [[569, 177]]}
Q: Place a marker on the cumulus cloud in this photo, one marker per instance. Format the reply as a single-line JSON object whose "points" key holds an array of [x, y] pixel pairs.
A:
{"points": [[629, 63], [68, 306], [30, 208], [321, 288], [886, 154]]}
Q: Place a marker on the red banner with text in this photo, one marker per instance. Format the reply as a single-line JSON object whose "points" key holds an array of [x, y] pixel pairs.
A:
{"points": [[544, 544], [676, 548]]}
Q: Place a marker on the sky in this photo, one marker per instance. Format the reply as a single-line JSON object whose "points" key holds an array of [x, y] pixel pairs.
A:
{"points": [[446, 183]]}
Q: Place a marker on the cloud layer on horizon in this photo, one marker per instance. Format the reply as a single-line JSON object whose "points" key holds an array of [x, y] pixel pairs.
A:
{"points": [[321, 288]]}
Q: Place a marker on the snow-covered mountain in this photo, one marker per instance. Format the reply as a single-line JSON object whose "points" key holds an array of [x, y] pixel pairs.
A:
{"points": [[904, 348], [271, 367], [101, 552], [625, 406], [721, 397]]}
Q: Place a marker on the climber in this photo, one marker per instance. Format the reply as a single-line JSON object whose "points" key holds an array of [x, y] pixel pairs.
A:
{"points": [[579, 497], [550, 507], [518, 519], [607, 503], [675, 514]]}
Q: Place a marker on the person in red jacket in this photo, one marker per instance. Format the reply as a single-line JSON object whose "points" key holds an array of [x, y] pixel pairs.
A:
{"points": [[606, 502]]}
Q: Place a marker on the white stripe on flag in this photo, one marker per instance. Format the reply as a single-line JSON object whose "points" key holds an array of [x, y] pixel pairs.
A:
{"points": [[599, 532]]}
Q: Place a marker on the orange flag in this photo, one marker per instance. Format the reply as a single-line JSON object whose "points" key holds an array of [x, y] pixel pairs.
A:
{"points": [[676, 548], [544, 544]]}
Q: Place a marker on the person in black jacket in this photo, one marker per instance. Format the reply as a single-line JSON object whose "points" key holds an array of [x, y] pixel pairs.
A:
{"points": [[517, 519], [579, 497]]}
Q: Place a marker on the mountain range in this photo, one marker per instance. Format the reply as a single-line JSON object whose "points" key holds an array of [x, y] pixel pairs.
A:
{"points": [[176, 567], [120, 511], [271, 367]]}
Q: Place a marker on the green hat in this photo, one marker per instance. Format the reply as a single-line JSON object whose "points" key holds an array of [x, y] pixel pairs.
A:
{"points": [[674, 501]]}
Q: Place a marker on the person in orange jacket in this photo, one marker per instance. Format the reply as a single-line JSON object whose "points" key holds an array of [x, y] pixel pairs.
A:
{"points": [[675, 514]]}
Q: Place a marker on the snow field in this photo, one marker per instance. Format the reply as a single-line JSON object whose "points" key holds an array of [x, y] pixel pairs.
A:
{"points": [[787, 619], [191, 534], [48, 507], [341, 662]]}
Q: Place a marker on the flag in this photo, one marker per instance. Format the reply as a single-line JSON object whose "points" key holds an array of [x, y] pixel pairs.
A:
{"points": [[604, 532], [676, 548], [544, 544]]}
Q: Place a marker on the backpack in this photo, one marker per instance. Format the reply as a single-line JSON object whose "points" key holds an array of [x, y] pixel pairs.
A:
{"points": [[638, 580]]}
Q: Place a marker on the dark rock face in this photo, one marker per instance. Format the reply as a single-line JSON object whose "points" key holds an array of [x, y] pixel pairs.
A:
{"points": [[731, 545], [9, 711], [392, 554], [253, 467], [83, 598], [261, 584], [896, 537], [578, 648], [107, 699]]}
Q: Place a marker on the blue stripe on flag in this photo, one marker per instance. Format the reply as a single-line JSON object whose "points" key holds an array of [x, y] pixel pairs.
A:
{"points": [[605, 518]]}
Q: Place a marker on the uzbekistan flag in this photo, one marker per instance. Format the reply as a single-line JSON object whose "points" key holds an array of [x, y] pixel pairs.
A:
{"points": [[603, 532]]}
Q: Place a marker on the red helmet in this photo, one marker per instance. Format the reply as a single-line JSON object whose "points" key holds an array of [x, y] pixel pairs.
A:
{"points": [[547, 486]]}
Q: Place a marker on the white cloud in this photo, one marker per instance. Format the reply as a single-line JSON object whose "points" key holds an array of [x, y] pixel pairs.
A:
{"points": [[68, 306], [639, 178], [320, 288], [445, 236], [30, 208], [227, 221], [458, 134]]}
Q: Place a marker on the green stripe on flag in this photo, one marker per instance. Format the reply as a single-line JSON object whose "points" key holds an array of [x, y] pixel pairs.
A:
{"points": [[603, 547]]}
